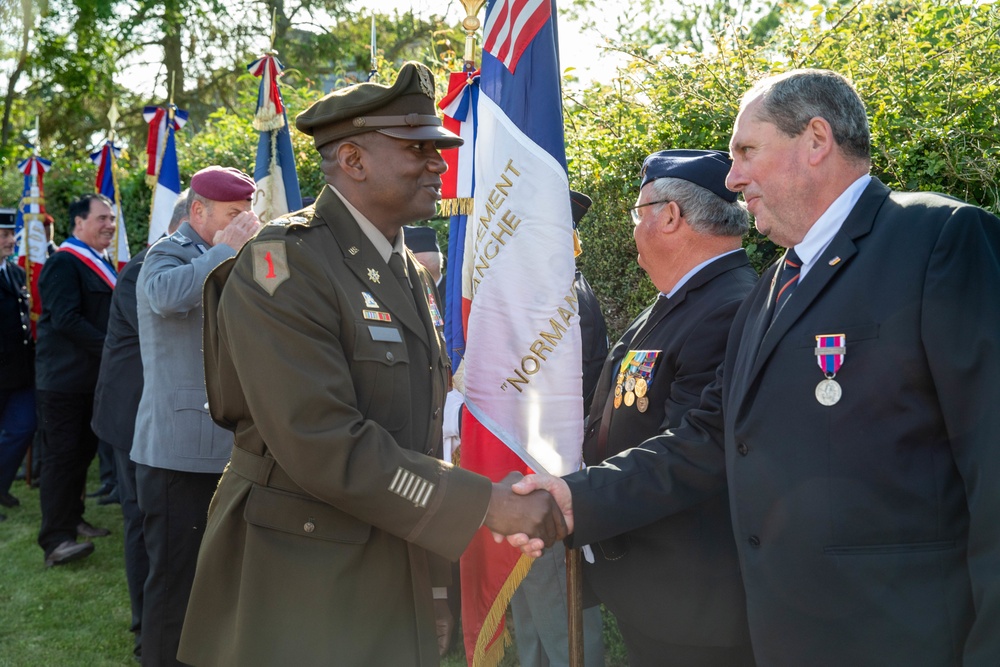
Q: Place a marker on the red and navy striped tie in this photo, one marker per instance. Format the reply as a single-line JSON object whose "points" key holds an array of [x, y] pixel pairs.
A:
{"points": [[789, 278]]}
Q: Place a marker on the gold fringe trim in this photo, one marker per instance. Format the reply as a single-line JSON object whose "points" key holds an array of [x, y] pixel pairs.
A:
{"points": [[491, 658], [577, 247], [267, 120], [460, 206], [151, 180]]}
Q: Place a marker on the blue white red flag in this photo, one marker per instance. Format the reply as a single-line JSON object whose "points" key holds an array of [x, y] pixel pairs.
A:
{"points": [[460, 108], [162, 171], [30, 241], [107, 184], [277, 182], [522, 366]]}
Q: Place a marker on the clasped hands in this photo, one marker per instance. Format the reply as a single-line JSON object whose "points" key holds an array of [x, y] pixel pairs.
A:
{"points": [[531, 512]]}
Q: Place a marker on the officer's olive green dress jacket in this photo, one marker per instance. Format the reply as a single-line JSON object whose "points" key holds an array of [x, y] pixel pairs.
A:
{"points": [[322, 534]]}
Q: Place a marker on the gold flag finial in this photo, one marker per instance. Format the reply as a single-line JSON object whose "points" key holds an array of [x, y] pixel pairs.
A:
{"points": [[113, 117], [471, 24]]}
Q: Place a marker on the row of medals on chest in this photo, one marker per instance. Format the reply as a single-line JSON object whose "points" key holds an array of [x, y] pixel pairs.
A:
{"points": [[631, 390]]}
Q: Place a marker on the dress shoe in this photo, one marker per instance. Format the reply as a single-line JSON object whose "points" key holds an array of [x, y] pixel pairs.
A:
{"points": [[110, 499], [103, 491], [85, 529], [68, 551], [8, 500]]}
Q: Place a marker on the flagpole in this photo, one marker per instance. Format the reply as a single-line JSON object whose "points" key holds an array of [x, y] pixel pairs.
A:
{"points": [[471, 24]]}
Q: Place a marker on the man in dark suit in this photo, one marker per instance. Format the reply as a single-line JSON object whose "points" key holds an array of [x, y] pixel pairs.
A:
{"points": [[75, 287], [674, 585], [855, 413], [329, 525], [17, 363], [116, 401]]}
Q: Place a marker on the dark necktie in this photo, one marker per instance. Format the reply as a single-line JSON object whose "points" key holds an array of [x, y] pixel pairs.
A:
{"points": [[398, 270], [789, 278]]}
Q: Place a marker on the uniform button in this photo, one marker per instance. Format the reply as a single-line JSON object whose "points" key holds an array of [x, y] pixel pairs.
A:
{"points": [[742, 448], [388, 355], [754, 541], [206, 405], [309, 527]]}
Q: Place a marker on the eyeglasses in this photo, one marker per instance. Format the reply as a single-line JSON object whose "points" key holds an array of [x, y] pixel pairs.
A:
{"points": [[634, 211]]}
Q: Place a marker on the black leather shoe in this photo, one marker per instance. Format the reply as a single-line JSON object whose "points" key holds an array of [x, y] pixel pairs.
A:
{"points": [[110, 499], [67, 552], [85, 529], [103, 491], [8, 500]]}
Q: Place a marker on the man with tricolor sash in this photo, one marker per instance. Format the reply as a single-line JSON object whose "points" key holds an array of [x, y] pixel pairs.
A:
{"points": [[75, 286]]}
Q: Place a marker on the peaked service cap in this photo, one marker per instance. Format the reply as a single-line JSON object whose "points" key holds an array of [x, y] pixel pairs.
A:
{"points": [[705, 168], [404, 110]]}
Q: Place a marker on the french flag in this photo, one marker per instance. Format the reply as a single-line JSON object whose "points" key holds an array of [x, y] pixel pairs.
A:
{"points": [[522, 365], [459, 106], [277, 183], [162, 170], [30, 240], [107, 184]]}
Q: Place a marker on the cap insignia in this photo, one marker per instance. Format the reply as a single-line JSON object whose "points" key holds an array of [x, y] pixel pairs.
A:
{"points": [[426, 84]]}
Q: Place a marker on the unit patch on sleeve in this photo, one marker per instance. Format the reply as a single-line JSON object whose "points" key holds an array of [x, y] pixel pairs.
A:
{"points": [[270, 265]]}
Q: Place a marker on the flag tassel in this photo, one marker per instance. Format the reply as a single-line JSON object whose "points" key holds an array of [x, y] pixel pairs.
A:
{"points": [[490, 656]]}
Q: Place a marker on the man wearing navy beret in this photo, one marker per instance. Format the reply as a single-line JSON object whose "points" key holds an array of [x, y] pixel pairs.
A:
{"points": [[179, 453], [674, 585]]}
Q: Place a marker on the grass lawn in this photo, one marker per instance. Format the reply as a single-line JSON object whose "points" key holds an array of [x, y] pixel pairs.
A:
{"points": [[78, 615]]}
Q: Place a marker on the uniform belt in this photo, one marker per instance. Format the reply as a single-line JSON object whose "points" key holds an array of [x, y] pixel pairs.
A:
{"points": [[261, 470]]}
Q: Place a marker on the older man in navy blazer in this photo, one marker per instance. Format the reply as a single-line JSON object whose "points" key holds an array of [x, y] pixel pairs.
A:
{"points": [[855, 415]]}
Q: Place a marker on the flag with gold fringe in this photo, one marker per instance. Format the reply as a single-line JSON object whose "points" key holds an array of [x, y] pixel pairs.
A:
{"points": [[521, 370], [459, 108], [30, 240], [106, 183], [277, 183], [162, 172]]}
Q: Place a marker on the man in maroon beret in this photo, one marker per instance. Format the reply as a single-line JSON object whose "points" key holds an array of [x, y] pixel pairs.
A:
{"points": [[178, 451]]}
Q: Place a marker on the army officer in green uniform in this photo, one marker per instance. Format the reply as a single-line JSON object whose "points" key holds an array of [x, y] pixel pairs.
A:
{"points": [[324, 356]]}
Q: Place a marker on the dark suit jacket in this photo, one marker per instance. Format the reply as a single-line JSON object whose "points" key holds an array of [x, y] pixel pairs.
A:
{"points": [[868, 531], [119, 382], [678, 581], [593, 336], [75, 305], [17, 348], [325, 558]]}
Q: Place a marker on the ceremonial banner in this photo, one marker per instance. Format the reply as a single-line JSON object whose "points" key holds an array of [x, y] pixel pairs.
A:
{"points": [[522, 366], [107, 184], [460, 107], [161, 170], [277, 183], [30, 240]]}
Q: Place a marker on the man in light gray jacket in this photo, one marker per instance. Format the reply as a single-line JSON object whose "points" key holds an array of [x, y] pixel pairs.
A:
{"points": [[179, 452]]}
